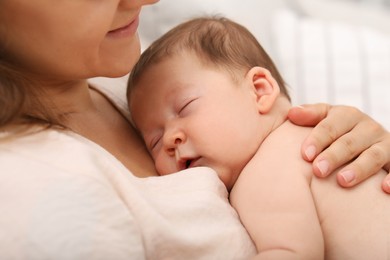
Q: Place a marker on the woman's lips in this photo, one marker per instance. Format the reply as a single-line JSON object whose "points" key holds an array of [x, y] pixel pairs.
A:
{"points": [[125, 31]]}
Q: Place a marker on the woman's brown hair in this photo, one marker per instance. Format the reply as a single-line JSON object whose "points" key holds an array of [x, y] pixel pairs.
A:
{"points": [[20, 106]]}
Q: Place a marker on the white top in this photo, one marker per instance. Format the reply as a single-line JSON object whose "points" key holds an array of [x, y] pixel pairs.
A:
{"points": [[65, 197]]}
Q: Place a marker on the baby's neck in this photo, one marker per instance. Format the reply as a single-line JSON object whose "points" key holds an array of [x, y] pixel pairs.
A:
{"points": [[278, 114]]}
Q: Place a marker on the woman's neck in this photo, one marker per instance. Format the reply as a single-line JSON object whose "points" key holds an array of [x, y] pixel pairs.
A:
{"points": [[88, 113], [67, 99]]}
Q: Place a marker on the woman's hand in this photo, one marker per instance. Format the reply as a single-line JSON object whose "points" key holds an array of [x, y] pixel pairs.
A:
{"points": [[343, 135]]}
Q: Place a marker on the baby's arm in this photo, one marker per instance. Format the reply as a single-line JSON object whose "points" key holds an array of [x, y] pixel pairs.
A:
{"points": [[280, 216]]}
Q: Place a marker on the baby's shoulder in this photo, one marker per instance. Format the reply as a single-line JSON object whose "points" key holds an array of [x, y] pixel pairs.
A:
{"points": [[281, 150]]}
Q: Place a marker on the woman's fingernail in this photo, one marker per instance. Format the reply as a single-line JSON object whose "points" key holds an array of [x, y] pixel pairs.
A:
{"points": [[348, 176], [323, 166], [310, 152]]}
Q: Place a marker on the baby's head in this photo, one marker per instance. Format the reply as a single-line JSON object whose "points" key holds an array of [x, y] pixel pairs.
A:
{"points": [[198, 96], [217, 42]]}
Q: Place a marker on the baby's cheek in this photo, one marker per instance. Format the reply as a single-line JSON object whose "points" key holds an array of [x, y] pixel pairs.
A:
{"points": [[165, 165]]}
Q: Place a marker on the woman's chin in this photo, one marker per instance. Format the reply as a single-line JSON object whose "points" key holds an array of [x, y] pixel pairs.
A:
{"points": [[119, 67], [116, 73], [120, 61]]}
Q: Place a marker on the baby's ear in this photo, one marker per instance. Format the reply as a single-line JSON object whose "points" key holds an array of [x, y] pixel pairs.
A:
{"points": [[265, 87]]}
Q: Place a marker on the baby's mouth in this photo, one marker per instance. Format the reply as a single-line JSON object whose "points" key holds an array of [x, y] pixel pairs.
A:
{"points": [[191, 163], [185, 163], [188, 163]]}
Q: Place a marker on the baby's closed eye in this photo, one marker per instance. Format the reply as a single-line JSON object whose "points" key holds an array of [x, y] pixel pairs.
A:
{"points": [[154, 142], [186, 107]]}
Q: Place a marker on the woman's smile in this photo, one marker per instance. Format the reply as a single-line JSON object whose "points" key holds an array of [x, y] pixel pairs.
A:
{"points": [[126, 30]]}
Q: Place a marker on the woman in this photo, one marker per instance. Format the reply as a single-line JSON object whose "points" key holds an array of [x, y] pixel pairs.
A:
{"points": [[71, 166]]}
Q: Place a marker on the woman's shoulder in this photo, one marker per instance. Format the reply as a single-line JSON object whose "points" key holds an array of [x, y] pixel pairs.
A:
{"points": [[56, 201]]}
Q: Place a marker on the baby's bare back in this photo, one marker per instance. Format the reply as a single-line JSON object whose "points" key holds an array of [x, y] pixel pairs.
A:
{"points": [[355, 222]]}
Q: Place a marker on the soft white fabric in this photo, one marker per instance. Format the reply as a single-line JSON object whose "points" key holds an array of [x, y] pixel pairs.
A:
{"points": [[64, 197]]}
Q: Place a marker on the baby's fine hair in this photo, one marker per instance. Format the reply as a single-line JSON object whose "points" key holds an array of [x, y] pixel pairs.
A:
{"points": [[217, 41]]}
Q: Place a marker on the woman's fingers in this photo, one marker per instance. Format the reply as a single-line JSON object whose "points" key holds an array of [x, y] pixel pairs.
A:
{"points": [[365, 165], [344, 136], [386, 183], [308, 115], [330, 123], [360, 144]]}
